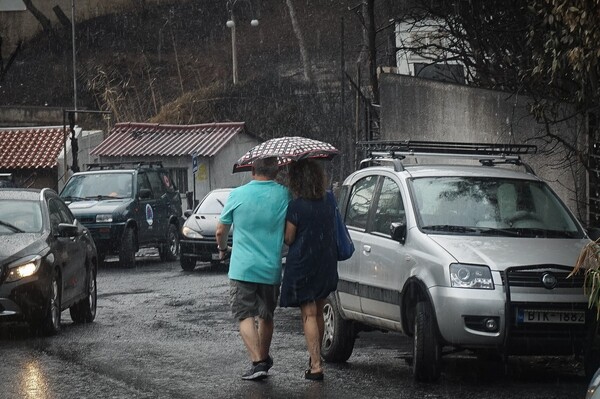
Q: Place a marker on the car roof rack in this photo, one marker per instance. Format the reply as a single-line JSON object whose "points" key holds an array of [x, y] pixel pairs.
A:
{"points": [[392, 152], [124, 165]]}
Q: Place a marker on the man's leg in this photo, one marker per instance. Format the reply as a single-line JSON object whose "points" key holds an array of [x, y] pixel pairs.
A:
{"points": [[265, 334], [250, 336]]}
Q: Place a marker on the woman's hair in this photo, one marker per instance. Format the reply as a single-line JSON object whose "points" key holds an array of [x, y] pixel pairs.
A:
{"points": [[307, 179]]}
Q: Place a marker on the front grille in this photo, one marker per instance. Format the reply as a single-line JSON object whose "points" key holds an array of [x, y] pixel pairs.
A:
{"points": [[543, 338], [532, 277]]}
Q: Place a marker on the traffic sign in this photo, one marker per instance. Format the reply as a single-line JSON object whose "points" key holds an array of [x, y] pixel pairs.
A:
{"points": [[194, 162]]}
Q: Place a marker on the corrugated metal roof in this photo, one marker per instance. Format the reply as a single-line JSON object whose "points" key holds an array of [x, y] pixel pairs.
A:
{"points": [[139, 139], [30, 147]]}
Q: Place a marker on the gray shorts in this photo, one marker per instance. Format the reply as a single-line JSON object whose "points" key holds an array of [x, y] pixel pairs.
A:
{"points": [[252, 299]]}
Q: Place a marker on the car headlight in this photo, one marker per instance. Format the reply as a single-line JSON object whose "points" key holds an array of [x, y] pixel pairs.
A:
{"points": [[104, 218], [470, 276], [189, 233], [23, 268]]}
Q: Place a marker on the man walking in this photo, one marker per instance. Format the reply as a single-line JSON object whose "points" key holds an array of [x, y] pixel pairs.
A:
{"points": [[258, 211]]}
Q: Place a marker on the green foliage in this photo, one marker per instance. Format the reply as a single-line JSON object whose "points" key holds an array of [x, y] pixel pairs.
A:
{"points": [[588, 262]]}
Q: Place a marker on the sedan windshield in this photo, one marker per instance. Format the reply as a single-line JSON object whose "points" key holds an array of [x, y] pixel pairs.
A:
{"points": [[491, 206], [213, 203], [18, 216]]}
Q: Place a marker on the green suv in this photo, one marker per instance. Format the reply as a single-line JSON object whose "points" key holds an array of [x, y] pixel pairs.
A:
{"points": [[127, 207]]}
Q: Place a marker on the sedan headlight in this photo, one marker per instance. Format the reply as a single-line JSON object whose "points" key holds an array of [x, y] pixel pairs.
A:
{"points": [[23, 268], [470, 276], [189, 233], [104, 218]]}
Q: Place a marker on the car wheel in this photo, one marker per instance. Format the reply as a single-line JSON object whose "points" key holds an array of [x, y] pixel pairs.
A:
{"points": [[84, 311], [101, 258], [170, 250], [187, 264], [127, 250], [591, 351], [339, 334], [427, 351], [49, 324]]}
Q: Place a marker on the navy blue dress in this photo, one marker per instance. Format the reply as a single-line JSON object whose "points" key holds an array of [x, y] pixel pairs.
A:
{"points": [[310, 271]]}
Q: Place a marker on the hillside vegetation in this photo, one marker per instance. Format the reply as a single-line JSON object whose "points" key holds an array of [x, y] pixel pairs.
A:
{"points": [[172, 64]]}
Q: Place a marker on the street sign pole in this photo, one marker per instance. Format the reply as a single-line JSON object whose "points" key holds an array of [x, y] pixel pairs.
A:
{"points": [[194, 170]]}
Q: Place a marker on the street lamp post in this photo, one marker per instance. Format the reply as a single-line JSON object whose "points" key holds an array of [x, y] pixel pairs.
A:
{"points": [[231, 25]]}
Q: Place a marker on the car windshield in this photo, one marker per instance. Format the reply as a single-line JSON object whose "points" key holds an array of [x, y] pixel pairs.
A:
{"points": [[491, 206], [18, 216], [98, 186], [213, 203]]}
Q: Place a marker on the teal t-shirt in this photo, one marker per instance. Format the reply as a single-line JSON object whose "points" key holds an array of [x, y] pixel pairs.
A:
{"points": [[257, 210]]}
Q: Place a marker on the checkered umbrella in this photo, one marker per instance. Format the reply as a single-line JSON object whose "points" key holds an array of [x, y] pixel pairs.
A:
{"points": [[286, 149]]}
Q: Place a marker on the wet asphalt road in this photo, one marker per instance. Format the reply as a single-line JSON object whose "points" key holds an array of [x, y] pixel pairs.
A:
{"points": [[161, 332]]}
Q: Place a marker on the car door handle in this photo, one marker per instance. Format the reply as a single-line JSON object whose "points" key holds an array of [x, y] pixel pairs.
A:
{"points": [[367, 248]]}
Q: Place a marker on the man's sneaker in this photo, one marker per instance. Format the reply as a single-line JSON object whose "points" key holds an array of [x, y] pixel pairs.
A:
{"points": [[258, 372], [269, 362]]}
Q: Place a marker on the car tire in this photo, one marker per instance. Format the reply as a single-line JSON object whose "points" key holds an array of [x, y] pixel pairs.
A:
{"points": [[127, 250], [49, 323], [84, 311], [591, 351], [101, 258], [427, 351], [188, 264], [339, 334], [170, 250]]}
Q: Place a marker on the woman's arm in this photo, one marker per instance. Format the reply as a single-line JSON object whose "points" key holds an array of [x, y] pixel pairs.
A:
{"points": [[290, 233]]}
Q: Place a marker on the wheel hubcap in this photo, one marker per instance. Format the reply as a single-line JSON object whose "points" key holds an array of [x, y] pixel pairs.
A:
{"points": [[329, 326], [54, 306], [92, 294]]}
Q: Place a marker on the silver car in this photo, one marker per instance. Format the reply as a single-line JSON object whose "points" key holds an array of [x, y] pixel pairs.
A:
{"points": [[465, 257], [199, 241]]}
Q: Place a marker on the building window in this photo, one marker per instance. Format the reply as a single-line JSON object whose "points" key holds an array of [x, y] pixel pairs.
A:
{"points": [[181, 179]]}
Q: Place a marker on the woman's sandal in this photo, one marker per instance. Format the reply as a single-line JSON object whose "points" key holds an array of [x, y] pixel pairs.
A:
{"points": [[318, 376]]}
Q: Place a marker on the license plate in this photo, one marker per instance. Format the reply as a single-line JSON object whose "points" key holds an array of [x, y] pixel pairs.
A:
{"points": [[215, 257], [550, 316]]}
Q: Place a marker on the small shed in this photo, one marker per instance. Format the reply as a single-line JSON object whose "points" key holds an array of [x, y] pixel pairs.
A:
{"points": [[31, 155], [217, 146]]}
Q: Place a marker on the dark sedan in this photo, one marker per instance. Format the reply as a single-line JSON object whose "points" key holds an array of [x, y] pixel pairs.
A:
{"points": [[48, 261], [199, 242]]}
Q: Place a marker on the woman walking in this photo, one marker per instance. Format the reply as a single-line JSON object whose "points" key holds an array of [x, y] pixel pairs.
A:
{"points": [[310, 272]]}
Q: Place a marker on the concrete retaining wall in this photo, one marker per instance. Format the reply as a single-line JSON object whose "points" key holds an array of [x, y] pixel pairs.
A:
{"points": [[420, 109]]}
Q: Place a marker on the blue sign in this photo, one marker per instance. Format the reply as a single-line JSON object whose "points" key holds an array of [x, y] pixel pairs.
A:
{"points": [[194, 162]]}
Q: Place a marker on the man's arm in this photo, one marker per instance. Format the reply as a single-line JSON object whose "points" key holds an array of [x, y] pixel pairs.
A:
{"points": [[222, 234]]}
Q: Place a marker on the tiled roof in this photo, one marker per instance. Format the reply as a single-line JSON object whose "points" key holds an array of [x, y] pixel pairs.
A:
{"points": [[30, 147], [137, 139]]}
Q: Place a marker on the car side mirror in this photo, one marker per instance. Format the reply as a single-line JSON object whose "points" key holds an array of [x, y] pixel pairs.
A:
{"points": [[398, 231], [67, 230], [145, 193], [187, 213]]}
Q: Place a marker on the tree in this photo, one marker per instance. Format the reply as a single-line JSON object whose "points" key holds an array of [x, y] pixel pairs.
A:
{"points": [[544, 49]]}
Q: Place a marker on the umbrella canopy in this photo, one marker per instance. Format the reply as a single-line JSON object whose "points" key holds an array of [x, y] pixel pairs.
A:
{"points": [[286, 149]]}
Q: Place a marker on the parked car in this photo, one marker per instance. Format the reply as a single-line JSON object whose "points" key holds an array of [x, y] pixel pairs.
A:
{"points": [[465, 257], [48, 261], [7, 180], [127, 207], [593, 391], [199, 242]]}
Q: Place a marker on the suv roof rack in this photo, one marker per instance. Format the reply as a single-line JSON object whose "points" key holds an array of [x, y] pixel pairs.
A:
{"points": [[489, 154], [124, 165]]}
